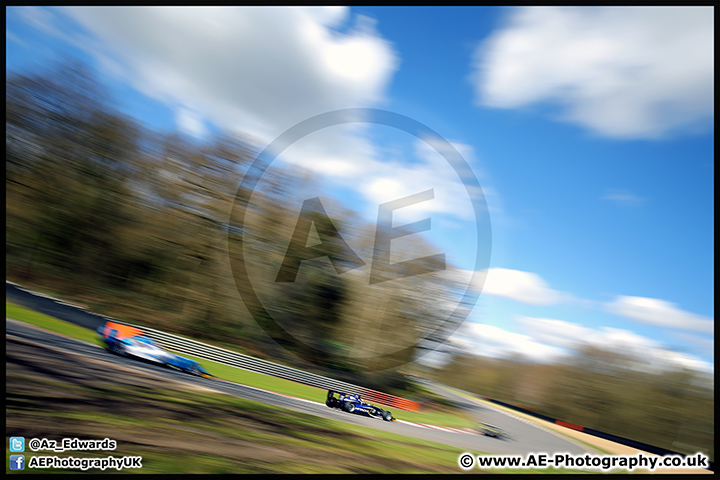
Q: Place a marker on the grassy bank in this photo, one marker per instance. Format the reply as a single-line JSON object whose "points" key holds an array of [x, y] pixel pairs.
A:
{"points": [[447, 418]]}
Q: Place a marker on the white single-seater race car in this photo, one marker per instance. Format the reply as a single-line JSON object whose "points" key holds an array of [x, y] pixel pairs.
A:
{"points": [[131, 341]]}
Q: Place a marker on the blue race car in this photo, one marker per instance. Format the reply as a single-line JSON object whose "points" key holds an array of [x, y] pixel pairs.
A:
{"points": [[130, 341], [355, 404]]}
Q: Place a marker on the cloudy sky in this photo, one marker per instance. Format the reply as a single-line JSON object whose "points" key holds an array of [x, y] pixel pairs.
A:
{"points": [[590, 131]]}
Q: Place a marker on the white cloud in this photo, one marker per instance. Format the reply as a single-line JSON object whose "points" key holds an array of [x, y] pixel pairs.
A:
{"points": [[623, 198], [659, 312], [648, 352], [190, 122], [262, 70], [380, 172], [700, 345], [549, 340], [555, 332], [429, 170], [491, 341], [524, 287], [256, 69], [634, 72]]}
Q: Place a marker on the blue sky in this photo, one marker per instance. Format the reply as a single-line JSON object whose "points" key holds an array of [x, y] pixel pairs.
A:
{"points": [[590, 130]]}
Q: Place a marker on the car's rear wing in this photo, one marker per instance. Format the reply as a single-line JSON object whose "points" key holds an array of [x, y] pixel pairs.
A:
{"points": [[119, 330]]}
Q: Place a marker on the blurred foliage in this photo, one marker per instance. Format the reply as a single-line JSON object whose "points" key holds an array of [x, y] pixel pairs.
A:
{"points": [[600, 389], [138, 225], [119, 217], [113, 214]]}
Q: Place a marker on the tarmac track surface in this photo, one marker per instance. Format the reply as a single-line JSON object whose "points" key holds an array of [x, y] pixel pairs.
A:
{"points": [[527, 437]]}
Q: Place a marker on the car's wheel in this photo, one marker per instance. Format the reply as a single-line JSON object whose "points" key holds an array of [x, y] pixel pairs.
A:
{"points": [[117, 349], [349, 407], [195, 370], [387, 416], [331, 402]]}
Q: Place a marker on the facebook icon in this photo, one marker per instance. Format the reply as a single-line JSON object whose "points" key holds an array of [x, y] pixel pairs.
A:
{"points": [[17, 462]]}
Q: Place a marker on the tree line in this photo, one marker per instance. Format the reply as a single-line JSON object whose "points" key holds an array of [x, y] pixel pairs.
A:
{"points": [[145, 225], [604, 390]]}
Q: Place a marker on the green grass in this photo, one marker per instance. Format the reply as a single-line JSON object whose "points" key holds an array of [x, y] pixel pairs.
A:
{"points": [[316, 436], [251, 426], [234, 374], [17, 312]]}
